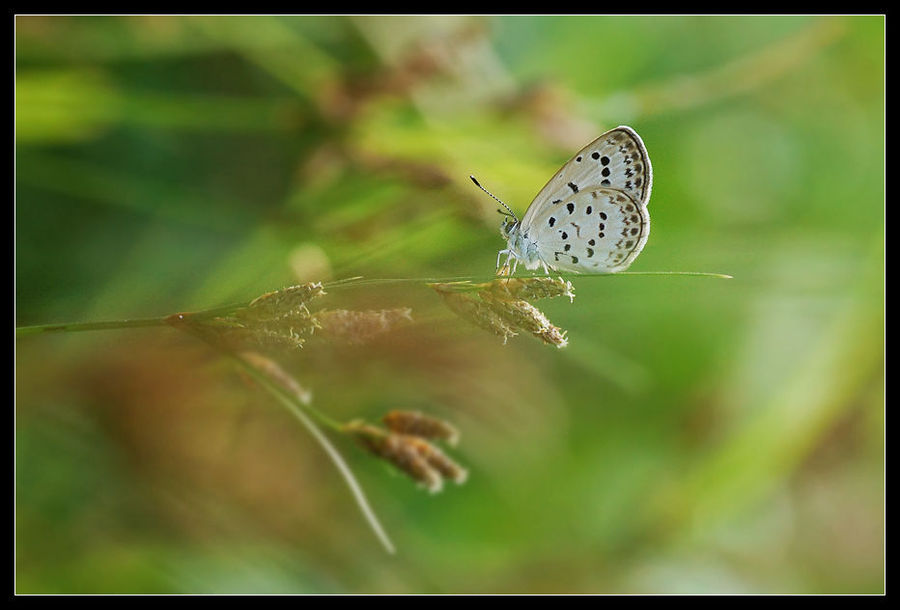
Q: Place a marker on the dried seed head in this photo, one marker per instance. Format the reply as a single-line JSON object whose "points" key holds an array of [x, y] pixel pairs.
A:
{"points": [[359, 326], [518, 314], [525, 316], [288, 338], [397, 450], [475, 310], [414, 423], [437, 459], [260, 337], [553, 335], [288, 302], [231, 334], [530, 288], [500, 306]]}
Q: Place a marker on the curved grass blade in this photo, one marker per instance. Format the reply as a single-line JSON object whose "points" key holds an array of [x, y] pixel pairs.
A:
{"points": [[297, 410]]}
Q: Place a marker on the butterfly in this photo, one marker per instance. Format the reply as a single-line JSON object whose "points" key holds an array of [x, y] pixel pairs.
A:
{"points": [[591, 217]]}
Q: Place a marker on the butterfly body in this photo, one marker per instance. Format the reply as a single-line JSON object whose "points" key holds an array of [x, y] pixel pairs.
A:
{"points": [[591, 217], [519, 247]]}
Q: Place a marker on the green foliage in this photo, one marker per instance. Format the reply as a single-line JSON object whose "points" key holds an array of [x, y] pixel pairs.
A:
{"points": [[695, 435]]}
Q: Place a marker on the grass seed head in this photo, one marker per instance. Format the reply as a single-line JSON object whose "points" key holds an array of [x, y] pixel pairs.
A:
{"points": [[359, 326], [530, 288], [500, 306], [396, 449], [518, 313], [553, 335], [418, 424], [437, 459], [472, 308], [284, 303]]}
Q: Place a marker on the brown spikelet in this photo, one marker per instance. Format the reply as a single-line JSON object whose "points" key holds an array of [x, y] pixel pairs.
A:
{"points": [[501, 305], [525, 316], [472, 308], [284, 303], [437, 459], [240, 338], [359, 326], [277, 320], [284, 339], [530, 288], [232, 334], [518, 313], [553, 335], [397, 450], [418, 424]]}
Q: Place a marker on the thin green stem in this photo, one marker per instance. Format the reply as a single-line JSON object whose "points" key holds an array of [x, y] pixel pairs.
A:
{"points": [[299, 410], [721, 276], [273, 386], [71, 327], [82, 326], [360, 281]]}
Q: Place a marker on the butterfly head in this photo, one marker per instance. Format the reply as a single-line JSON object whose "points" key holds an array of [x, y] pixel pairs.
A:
{"points": [[508, 225]]}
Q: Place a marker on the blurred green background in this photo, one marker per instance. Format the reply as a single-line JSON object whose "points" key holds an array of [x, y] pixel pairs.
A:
{"points": [[697, 434]]}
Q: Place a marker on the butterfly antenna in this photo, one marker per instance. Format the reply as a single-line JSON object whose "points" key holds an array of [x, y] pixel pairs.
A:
{"points": [[508, 209]]}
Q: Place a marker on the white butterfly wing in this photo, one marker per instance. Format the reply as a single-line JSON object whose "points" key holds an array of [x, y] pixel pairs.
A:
{"points": [[596, 230], [616, 160]]}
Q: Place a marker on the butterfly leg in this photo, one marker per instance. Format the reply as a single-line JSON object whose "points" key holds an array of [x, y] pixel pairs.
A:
{"points": [[501, 253]]}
